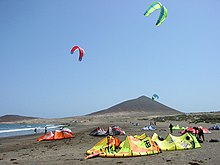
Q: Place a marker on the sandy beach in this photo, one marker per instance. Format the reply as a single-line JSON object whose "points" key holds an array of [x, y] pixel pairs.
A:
{"points": [[26, 149]]}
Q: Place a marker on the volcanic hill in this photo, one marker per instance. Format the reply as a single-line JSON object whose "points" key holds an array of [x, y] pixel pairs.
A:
{"points": [[13, 118], [140, 105]]}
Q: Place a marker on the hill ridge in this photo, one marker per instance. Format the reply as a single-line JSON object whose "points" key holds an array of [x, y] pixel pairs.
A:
{"points": [[12, 118], [141, 104]]}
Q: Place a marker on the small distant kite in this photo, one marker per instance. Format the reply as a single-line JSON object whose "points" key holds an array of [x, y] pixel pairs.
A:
{"points": [[155, 96], [81, 52], [163, 12]]}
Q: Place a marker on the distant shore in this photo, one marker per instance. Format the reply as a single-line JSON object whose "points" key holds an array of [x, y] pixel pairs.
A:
{"points": [[213, 117]]}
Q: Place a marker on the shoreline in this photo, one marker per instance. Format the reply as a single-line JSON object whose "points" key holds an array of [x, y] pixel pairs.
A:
{"points": [[8, 130]]}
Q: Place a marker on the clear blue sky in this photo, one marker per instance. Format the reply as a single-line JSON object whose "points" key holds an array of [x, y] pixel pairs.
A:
{"points": [[127, 56]]}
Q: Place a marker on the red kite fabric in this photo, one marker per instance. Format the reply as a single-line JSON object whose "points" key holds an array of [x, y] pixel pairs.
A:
{"points": [[57, 135], [81, 52]]}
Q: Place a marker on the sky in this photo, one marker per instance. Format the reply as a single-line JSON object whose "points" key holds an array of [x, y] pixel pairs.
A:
{"points": [[126, 55]]}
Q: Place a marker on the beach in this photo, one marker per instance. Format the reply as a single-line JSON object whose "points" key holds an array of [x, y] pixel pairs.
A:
{"points": [[27, 150]]}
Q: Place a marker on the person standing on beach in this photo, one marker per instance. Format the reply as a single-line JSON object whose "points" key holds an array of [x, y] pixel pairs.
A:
{"points": [[196, 131], [35, 130], [171, 128], [201, 134], [45, 130]]}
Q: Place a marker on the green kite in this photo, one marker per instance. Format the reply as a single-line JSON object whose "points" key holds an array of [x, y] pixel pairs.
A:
{"points": [[163, 12]]}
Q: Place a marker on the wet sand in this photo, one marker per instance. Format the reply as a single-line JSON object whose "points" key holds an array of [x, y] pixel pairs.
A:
{"points": [[26, 150]]}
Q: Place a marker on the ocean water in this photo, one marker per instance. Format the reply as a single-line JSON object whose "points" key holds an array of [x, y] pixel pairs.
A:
{"points": [[7, 130]]}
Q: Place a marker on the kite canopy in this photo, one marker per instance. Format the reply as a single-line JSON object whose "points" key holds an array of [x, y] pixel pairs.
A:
{"points": [[195, 130], [149, 128], [214, 127], [155, 96], [81, 52], [113, 130], [185, 141], [48, 136], [107, 144], [99, 132], [131, 146], [163, 12], [177, 127], [57, 135]]}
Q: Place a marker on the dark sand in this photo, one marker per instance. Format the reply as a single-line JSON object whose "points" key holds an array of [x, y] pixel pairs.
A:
{"points": [[26, 150]]}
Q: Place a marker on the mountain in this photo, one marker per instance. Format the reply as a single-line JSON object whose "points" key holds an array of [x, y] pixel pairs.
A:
{"points": [[141, 105], [12, 118]]}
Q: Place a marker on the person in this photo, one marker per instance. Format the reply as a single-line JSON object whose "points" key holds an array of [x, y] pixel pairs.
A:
{"points": [[201, 134], [35, 130], [196, 130], [45, 130], [171, 128]]}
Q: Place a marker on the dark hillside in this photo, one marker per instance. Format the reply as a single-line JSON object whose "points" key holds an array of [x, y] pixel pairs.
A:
{"points": [[142, 104], [12, 118]]}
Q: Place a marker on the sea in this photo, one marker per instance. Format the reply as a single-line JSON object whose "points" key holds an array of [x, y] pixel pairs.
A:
{"points": [[8, 130]]}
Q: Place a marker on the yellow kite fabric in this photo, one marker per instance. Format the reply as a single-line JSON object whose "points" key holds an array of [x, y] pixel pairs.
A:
{"points": [[136, 147], [185, 141], [131, 146], [107, 144]]}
